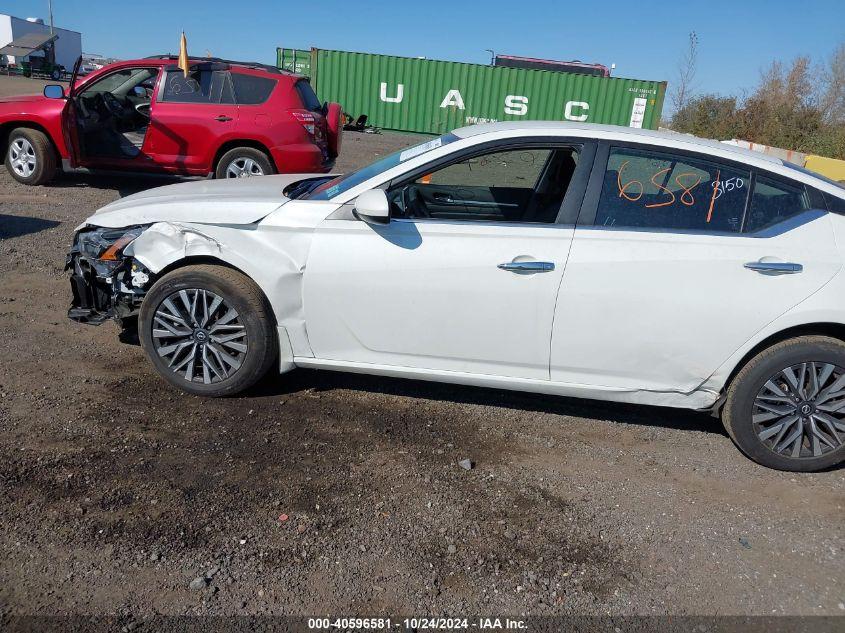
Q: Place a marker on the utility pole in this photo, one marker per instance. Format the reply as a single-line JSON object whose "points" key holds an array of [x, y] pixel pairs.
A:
{"points": [[50, 7], [492, 56]]}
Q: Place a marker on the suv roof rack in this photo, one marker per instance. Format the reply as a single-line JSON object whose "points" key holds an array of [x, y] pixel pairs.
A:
{"points": [[256, 65]]}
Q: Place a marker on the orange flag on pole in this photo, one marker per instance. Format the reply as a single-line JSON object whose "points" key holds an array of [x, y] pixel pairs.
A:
{"points": [[183, 55]]}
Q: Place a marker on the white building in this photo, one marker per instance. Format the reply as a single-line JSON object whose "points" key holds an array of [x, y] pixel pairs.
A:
{"points": [[68, 43]]}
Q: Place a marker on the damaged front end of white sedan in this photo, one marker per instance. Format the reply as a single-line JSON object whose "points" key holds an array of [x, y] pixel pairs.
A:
{"points": [[105, 284], [121, 252], [112, 269]]}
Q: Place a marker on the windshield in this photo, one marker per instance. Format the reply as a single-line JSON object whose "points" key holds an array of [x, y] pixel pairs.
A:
{"points": [[337, 186]]}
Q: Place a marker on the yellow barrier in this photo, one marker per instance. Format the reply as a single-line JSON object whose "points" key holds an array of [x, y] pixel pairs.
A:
{"points": [[830, 167]]}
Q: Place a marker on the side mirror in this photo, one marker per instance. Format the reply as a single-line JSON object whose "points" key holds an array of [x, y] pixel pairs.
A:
{"points": [[372, 207], [54, 91]]}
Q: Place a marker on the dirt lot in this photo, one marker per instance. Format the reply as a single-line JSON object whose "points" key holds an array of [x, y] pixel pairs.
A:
{"points": [[323, 493]]}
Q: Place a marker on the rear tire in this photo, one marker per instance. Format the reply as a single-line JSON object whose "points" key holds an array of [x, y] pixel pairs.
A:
{"points": [[786, 392], [220, 354], [30, 158], [244, 162]]}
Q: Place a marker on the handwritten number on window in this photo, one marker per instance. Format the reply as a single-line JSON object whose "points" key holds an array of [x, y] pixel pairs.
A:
{"points": [[687, 199], [654, 205], [623, 189]]}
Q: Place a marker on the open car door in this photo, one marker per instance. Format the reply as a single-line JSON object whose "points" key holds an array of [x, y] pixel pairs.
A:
{"points": [[69, 121]]}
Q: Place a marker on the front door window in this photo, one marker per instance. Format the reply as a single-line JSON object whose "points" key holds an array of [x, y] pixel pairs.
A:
{"points": [[525, 185]]}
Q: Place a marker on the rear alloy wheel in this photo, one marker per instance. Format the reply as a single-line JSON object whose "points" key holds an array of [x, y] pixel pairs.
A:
{"points": [[208, 330], [243, 162], [800, 411], [786, 408], [29, 157]]}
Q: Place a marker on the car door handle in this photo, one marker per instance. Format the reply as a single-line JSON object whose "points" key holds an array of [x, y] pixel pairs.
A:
{"points": [[222, 118], [774, 268], [528, 267]]}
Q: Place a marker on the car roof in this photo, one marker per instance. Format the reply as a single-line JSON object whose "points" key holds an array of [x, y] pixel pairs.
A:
{"points": [[618, 132], [169, 60], [665, 138]]}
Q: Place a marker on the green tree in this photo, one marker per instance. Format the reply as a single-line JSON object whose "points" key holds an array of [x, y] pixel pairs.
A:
{"points": [[795, 106], [709, 116]]}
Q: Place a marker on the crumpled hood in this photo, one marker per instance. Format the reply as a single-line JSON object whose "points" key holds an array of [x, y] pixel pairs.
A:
{"points": [[230, 201]]}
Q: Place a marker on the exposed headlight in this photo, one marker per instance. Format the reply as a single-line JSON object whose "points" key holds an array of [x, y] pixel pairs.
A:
{"points": [[106, 244]]}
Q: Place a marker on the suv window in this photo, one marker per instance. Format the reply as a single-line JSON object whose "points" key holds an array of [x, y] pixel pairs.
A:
{"points": [[307, 96], [251, 89], [121, 82], [773, 202], [514, 185], [644, 189], [200, 86]]}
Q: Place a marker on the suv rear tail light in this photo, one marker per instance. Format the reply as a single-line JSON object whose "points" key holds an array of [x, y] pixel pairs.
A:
{"points": [[306, 119]]}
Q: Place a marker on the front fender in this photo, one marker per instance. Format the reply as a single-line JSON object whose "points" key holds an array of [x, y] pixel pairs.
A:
{"points": [[42, 115], [273, 257]]}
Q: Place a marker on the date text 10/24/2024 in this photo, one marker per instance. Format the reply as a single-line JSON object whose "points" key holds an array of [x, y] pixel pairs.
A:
{"points": [[417, 624]]}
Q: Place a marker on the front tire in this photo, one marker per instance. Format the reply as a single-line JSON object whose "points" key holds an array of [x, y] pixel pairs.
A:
{"points": [[786, 408], [30, 158], [243, 162], [208, 330]]}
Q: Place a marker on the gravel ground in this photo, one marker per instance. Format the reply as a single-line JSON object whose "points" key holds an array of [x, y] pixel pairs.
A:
{"points": [[322, 493]]}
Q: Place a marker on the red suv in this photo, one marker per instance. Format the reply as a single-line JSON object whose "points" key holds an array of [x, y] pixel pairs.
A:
{"points": [[225, 119]]}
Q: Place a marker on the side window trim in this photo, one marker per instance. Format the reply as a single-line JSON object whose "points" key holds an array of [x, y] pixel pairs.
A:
{"points": [[592, 197], [751, 185], [580, 145], [590, 204]]}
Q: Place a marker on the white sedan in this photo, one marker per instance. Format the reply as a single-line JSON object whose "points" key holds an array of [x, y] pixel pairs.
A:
{"points": [[569, 259]]}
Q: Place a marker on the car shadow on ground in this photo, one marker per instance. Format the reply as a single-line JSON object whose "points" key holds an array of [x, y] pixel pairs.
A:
{"points": [[18, 225], [661, 417]]}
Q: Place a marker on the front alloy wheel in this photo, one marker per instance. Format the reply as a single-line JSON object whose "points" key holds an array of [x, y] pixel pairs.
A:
{"points": [[199, 335], [22, 157], [30, 156], [208, 330]]}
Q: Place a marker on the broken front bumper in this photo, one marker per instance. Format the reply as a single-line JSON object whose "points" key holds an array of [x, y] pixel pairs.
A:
{"points": [[103, 289]]}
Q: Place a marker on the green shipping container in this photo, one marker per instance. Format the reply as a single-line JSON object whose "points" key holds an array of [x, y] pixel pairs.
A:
{"points": [[422, 95], [294, 60]]}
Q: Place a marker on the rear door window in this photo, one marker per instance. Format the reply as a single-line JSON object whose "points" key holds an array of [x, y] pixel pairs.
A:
{"points": [[251, 89], [656, 190], [774, 201], [200, 86]]}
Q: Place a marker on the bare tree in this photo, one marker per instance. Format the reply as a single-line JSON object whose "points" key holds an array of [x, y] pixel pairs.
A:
{"points": [[831, 96], [685, 83]]}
